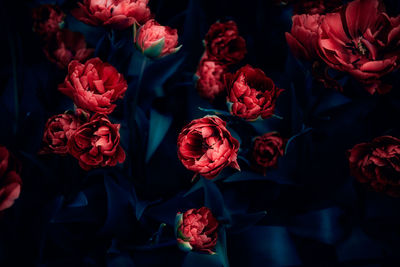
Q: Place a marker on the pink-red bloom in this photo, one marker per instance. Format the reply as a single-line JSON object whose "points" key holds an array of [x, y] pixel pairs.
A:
{"points": [[205, 146], [118, 14], [58, 130], [224, 44], [363, 40], [266, 150], [47, 20], [155, 40], [94, 85], [10, 180], [196, 230], [377, 164], [96, 143], [303, 37], [251, 94], [65, 46], [210, 74]]}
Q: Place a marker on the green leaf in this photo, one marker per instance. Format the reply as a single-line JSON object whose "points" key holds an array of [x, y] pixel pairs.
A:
{"points": [[155, 50], [159, 125]]}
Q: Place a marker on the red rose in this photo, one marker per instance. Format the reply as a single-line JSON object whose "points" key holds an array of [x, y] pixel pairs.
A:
{"points": [[224, 44], [196, 230], [47, 19], [155, 40], [116, 14], [251, 93], [303, 37], [205, 146], [10, 181], [96, 143], [58, 130], [362, 40], [209, 76], [266, 150], [66, 46], [377, 164], [93, 86]]}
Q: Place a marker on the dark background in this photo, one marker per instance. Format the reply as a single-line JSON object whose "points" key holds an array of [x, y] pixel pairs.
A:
{"points": [[316, 213]]}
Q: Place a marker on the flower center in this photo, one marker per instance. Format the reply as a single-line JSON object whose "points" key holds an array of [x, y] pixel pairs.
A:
{"points": [[361, 48]]}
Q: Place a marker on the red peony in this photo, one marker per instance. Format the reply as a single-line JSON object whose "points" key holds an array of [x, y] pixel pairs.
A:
{"points": [[377, 164], [251, 94], [66, 46], [155, 40], [10, 181], [96, 143], [197, 230], [209, 76], [205, 146], [58, 130], [303, 37], [362, 40], [224, 44], [47, 20], [94, 86], [118, 14], [266, 150]]}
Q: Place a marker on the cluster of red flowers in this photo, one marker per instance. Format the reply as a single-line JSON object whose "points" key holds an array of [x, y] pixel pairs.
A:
{"points": [[10, 180], [358, 38], [61, 46], [93, 140], [223, 48]]}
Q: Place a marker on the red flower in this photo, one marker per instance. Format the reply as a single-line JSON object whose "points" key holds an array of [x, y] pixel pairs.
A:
{"points": [[197, 230], [303, 37], [315, 6], [66, 46], [377, 164], [362, 40], [58, 130], [209, 76], [96, 143], [266, 150], [205, 146], [155, 40], [251, 93], [10, 181], [94, 86], [224, 44], [47, 19], [116, 14]]}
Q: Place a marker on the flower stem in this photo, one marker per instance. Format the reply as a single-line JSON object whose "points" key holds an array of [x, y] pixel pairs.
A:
{"points": [[137, 91]]}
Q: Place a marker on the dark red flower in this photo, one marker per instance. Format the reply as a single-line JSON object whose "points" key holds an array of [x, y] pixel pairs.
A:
{"points": [[10, 181], [210, 74], [224, 44], [315, 6], [251, 94], [65, 46], [94, 86], [96, 143], [118, 14], [205, 146], [303, 37], [362, 40], [47, 20], [58, 130], [377, 164], [266, 150], [155, 40], [197, 230]]}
